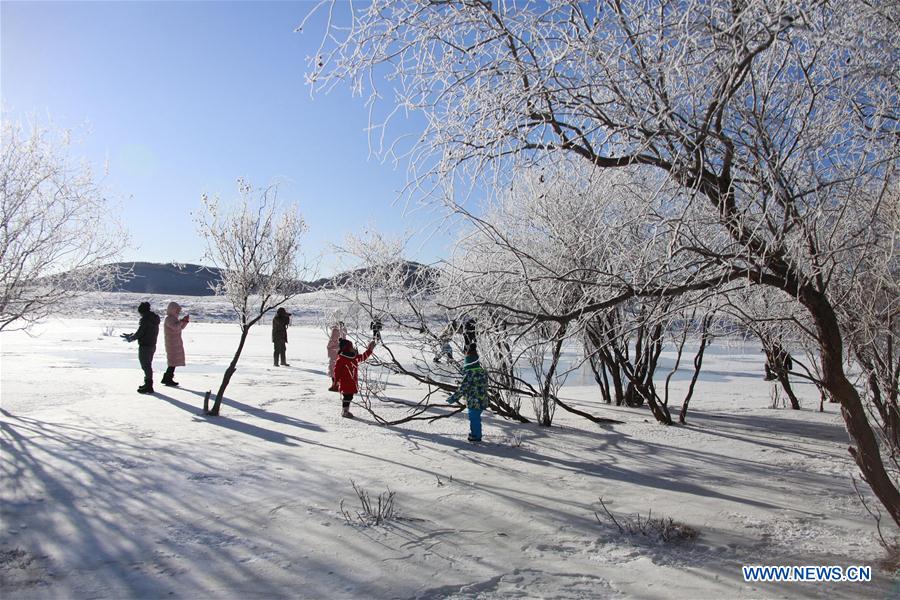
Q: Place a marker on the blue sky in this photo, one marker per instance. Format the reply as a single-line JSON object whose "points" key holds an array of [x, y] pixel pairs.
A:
{"points": [[181, 98]]}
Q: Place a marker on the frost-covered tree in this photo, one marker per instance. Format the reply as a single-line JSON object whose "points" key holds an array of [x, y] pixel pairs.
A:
{"points": [[554, 246], [410, 299], [782, 329], [58, 230], [380, 283], [256, 246], [776, 123], [868, 289]]}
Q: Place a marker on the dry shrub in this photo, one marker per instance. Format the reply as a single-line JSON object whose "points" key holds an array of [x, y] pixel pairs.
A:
{"points": [[655, 528], [372, 513]]}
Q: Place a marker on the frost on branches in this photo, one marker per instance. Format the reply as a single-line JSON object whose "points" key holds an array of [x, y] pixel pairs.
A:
{"points": [[770, 127], [57, 231], [256, 244]]}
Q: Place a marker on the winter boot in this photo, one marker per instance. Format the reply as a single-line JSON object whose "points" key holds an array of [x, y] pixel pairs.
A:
{"points": [[334, 386], [347, 414], [474, 440], [169, 378], [147, 388]]}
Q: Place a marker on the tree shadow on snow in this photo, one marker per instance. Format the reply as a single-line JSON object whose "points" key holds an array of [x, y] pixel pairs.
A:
{"points": [[235, 425], [261, 413], [94, 497], [657, 475], [778, 424]]}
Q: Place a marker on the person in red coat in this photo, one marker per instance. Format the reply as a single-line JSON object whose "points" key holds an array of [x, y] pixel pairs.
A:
{"points": [[346, 373]]}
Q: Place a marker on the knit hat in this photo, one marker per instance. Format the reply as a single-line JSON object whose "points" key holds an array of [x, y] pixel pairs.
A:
{"points": [[283, 313], [342, 343], [472, 361], [144, 307]]}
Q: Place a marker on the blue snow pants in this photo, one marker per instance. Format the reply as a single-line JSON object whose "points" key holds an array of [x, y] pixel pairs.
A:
{"points": [[475, 423]]}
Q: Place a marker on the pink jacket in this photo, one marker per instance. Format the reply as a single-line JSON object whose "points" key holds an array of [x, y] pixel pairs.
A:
{"points": [[172, 330], [337, 332]]}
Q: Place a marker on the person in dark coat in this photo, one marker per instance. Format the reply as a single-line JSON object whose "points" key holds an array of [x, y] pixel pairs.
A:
{"points": [[778, 361], [778, 367], [469, 338], [279, 335], [376, 326], [346, 373], [146, 334]]}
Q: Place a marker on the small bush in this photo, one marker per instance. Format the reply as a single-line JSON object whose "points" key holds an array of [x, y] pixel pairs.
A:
{"points": [[441, 482], [655, 528], [514, 440], [372, 513]]}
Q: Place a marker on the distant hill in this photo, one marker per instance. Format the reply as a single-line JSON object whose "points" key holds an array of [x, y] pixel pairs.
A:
{"points": [[185, 279], [167, 278], [416, 275]]}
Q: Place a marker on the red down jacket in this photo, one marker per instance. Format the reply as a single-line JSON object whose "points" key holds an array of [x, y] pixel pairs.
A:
{"points": [[346, 371]]}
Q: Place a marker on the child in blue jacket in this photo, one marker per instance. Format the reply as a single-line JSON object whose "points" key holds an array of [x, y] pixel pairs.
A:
{"points": [[474, 389]]}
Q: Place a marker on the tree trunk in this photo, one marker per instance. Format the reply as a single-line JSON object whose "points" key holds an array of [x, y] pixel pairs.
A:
{"points": [[599, 371], [229, 372], [678, 354], [654, 349], [601, 364], [866, 453], [775, 364], [609, 358], [698, 363], [586, 415], [616, 374], [607, 396], [786, 385], [659, 410], [502, 408], [546, 397]]}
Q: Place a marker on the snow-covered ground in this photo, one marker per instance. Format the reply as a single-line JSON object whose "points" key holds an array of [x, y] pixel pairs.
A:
{"points": [[110, 494]]}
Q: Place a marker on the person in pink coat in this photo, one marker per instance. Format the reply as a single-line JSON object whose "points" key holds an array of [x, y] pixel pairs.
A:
{"points": [[338, 332], [174, 346]]}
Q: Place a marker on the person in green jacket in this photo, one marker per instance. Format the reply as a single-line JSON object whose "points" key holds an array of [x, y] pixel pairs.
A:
{"points": [[474, 389]]}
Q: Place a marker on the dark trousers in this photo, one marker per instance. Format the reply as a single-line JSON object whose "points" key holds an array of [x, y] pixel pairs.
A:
{"points": [[468, 340], [345, 401], [280, 353], [145, 357]]}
